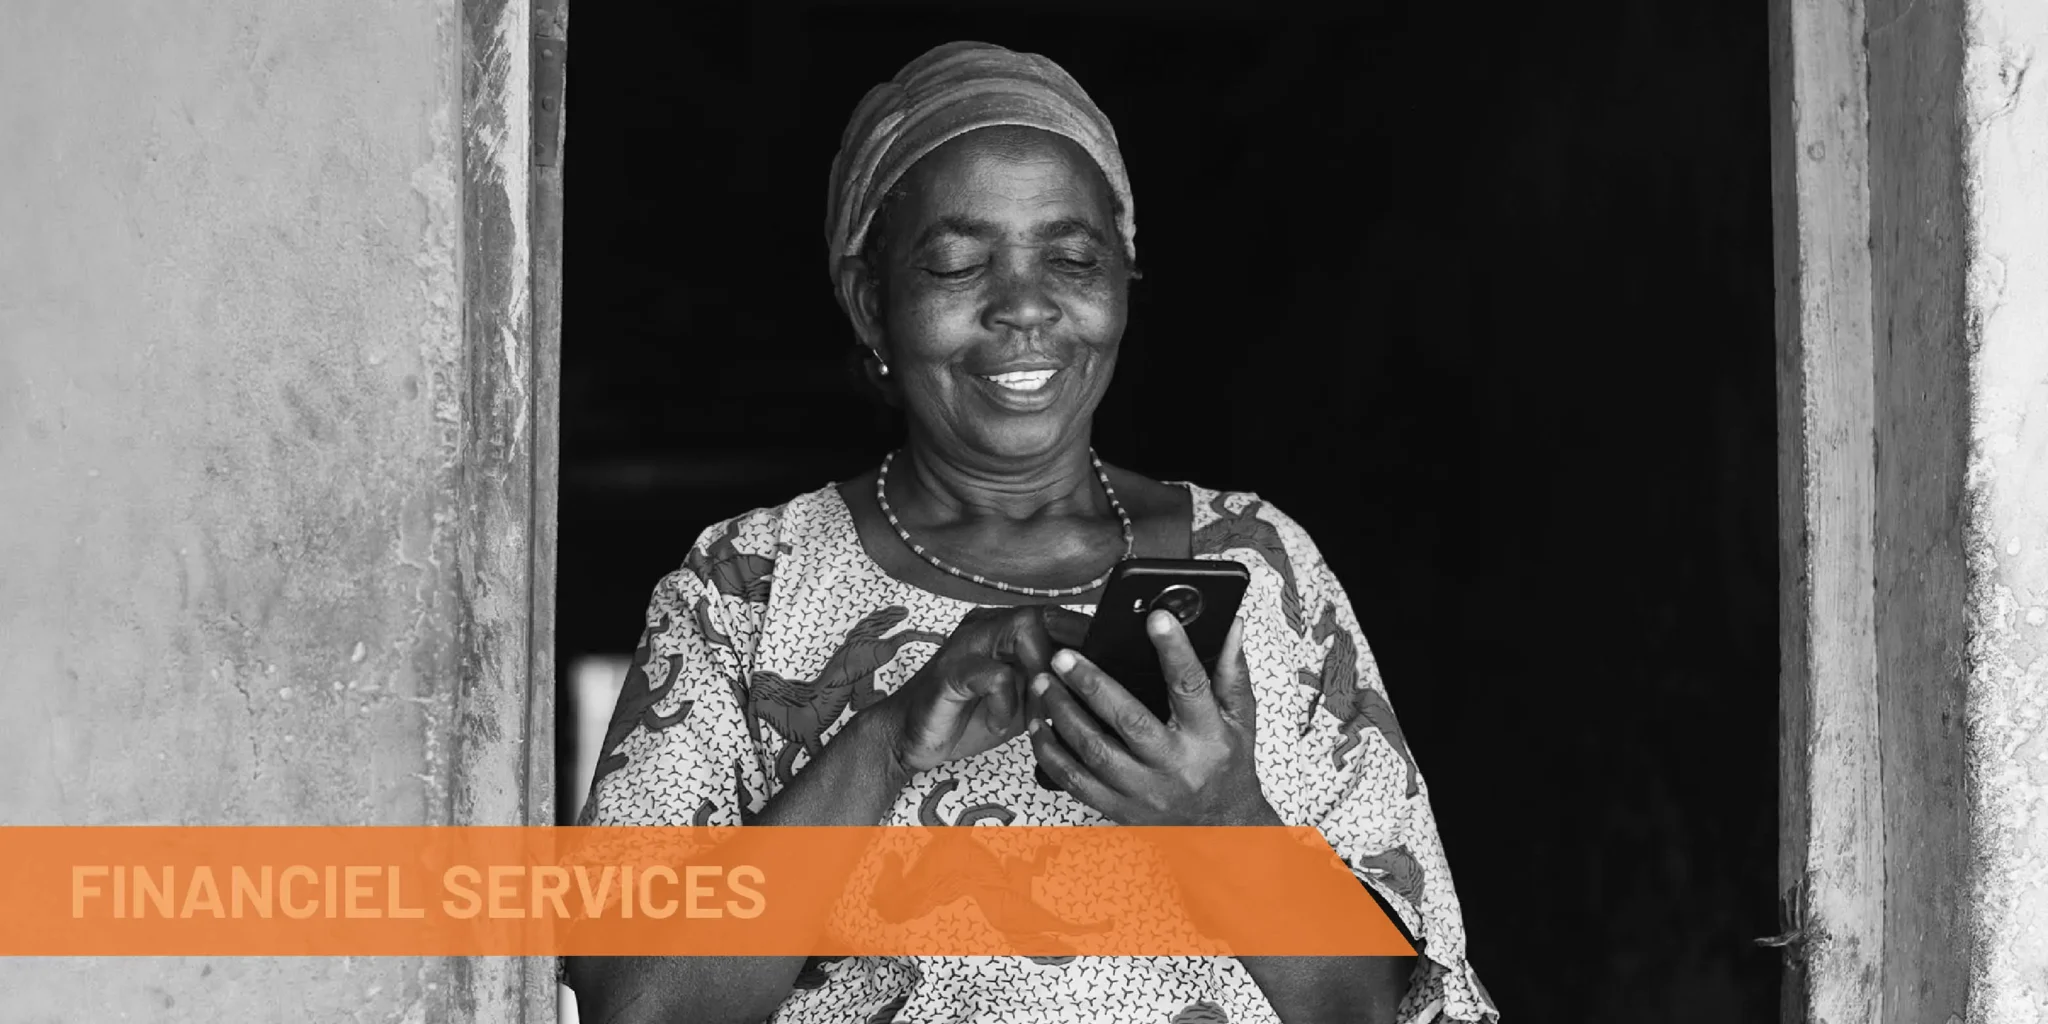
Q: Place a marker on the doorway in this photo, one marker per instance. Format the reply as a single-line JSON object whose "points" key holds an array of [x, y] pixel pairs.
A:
{"points": [[1483, 298]]}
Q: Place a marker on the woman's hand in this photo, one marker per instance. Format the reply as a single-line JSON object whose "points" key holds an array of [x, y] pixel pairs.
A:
{"points": [[970, 696], [1196, 769]]}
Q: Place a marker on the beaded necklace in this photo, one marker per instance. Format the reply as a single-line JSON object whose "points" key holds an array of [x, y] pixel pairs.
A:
{"points": [[882, 499]]}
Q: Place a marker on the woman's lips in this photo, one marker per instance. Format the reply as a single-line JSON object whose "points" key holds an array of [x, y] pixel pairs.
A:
{"points": [[1022, 390], [1025, 381]]}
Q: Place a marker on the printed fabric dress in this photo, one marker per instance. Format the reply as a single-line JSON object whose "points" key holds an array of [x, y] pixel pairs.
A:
{"points": [[779, 627]]}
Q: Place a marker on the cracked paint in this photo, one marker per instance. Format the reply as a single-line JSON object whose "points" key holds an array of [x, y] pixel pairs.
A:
{"points": [[504, 137], [2006, 113]]}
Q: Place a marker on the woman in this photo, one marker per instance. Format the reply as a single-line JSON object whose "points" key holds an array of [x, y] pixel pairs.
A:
{"points": [[893, 649]]}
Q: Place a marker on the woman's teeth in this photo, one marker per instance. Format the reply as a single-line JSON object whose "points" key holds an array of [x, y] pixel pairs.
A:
{"points": [[1030, 380]]}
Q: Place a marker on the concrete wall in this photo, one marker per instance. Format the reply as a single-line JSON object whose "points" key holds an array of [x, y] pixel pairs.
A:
{"points": [[232, 394], [2005, 116]]}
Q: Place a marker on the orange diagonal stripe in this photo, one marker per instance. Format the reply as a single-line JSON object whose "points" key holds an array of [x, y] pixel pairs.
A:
{"points": [[757, 891]]}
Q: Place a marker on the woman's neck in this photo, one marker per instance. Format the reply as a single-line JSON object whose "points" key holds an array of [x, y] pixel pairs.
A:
{"points": [[937, 487]]}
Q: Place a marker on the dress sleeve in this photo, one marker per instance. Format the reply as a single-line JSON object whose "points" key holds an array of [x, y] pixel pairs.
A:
{"points": [[1366, 791], [678, 750], [684, 747]]}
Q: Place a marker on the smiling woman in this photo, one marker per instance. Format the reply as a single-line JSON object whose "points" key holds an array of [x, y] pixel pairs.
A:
{"points": [[1023, 213], [877, 651], [1004, 234]]}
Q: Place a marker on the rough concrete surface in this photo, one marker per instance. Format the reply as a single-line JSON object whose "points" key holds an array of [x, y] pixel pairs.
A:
{"points": [[2006, 127], [230, 416]]}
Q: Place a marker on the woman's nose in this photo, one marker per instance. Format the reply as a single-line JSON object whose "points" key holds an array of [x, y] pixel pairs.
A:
{"points": [[1022, 302]]}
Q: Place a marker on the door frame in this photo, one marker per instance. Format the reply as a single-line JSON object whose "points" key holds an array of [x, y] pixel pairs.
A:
{"points": [[1875, 348], [512, 72]]}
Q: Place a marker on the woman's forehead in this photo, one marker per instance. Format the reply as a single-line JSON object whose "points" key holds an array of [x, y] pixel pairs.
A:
{"points": [[1009, 173]]}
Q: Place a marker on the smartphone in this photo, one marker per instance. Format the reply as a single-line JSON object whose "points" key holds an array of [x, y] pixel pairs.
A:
{"points": [[1203, 594]]}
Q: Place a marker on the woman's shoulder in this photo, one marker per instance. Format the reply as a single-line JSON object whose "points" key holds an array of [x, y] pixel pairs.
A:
{"points": [[737, 554], [1221, 515], [1245, 526], [1219, 520]]}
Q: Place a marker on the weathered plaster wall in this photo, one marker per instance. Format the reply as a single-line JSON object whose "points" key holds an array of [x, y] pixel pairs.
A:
{"points": [[231, 432], [2005, 118]]}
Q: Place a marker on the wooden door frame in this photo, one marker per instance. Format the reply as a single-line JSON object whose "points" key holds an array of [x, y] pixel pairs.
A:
{"points": [[510, 258], [1829, 821], [1874, 379]]}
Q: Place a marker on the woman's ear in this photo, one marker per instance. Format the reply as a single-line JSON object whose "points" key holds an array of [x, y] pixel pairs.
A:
{"points": [[860, 294]]}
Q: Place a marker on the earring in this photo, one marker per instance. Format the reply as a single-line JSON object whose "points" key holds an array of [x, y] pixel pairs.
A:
{"points": [[885, 368], [882, 364]]}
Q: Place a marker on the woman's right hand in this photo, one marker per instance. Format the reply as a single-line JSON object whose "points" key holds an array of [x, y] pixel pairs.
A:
{"points": [[970, 696]]}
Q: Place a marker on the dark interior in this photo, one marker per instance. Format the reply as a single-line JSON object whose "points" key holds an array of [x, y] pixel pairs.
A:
{"points": [[1480, 295]]}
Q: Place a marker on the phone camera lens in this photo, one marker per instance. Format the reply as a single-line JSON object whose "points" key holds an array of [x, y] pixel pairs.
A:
{"points": [[1183, 601]]}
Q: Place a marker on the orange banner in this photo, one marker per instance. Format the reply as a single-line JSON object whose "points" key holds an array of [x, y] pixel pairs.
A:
{"points": [[755, 891]]}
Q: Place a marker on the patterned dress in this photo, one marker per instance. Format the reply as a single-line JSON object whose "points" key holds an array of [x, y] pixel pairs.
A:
{"points": [[779, 627]]}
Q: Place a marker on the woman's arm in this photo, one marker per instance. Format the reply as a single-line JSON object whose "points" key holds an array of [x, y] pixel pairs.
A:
{"points": [[853, 782], [1315, 989], [1198, 770], [1318, 989], [966, 699], [1380, 821], [1351, 774]]}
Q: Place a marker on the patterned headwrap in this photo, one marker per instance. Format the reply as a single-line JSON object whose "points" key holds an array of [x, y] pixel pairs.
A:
{"points": [[950, 91]]}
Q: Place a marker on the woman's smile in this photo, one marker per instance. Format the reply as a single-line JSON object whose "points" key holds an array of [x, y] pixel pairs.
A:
{"points": [[1021, 380], [1023, 391]]}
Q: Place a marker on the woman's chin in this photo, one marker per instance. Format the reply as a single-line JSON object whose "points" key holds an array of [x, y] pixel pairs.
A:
{"points": [[1006, 425], [1024, 441]]}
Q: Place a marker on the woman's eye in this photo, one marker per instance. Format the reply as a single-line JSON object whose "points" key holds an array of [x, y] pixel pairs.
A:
{"points": [[1074, 264], [961, 274]]}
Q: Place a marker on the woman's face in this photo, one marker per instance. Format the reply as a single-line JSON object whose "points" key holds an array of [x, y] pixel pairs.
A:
{"points": [[1004, 294]]}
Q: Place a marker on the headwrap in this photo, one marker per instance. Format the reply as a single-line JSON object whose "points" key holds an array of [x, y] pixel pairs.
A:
{"points": [[949, 91]]}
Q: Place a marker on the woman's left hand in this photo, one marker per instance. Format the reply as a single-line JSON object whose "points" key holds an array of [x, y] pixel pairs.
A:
{"points": [[1195, 769]]}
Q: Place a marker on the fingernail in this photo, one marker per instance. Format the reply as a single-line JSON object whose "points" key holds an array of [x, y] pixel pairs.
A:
{"points": [[1036, 724], [1161, 623], [1064, 661], [1040, 683]]}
